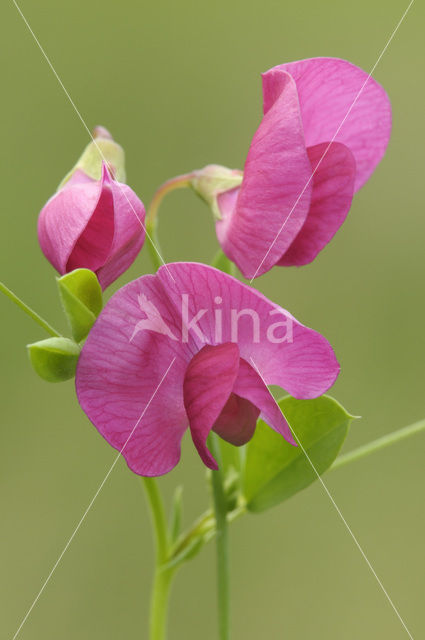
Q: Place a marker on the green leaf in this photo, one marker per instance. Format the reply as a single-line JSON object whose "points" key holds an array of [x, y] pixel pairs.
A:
{"points": [[274, 469], [54, 359], [81, 297]]}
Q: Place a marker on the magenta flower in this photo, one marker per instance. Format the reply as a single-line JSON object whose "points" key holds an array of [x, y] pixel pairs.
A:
{"points": [[326, 126], [96, 224], [193, 347]]}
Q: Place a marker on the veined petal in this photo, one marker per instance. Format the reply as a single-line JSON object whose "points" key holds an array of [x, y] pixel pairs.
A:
{"points": [[275, 192], [339, 101], [249, 385], [287, 353], [119, 374], [208, 383], [149, 365], [334, 172]]}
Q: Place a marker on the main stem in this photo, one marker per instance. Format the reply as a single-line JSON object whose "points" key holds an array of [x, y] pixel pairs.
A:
{"points": [[222, 544], [30, 312], [163, 577]]}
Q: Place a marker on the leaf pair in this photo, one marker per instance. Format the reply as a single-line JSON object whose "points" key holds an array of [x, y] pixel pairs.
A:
{"points": [[55, 359]]}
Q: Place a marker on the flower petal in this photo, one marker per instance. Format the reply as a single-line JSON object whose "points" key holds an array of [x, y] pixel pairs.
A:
{"points": [[98, 225], [129, 233], [275, 192], [94, 243], [287, 353], [237, 420], [333, 186], [340, 102], [208, 383], [249, 385], [119, 377], [58, 231]]}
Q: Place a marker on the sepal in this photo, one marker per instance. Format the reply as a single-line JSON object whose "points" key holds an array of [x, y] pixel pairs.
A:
{"points": [[54, 359], [102, 148], [81, 298], [213, 180]]}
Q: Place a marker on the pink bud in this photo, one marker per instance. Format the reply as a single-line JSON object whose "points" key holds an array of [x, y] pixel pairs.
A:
{"points": [[95, 224]]}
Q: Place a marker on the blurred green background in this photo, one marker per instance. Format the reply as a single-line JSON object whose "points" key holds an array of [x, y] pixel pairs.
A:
{"points": [[178, 84]]}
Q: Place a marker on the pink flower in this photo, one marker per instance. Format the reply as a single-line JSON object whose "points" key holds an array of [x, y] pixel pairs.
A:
{"points": [[96, 224], [193, 347], [325, 127]]}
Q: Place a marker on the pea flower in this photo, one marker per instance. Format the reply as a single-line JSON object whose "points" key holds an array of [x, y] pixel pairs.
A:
{"points": [[325, 127], [94, 221], [193, 347]]}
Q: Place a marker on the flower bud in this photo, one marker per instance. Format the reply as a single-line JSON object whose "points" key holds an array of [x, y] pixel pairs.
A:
{"points": [[54, 359], [102, 148], [213, 180], [94, 221]]}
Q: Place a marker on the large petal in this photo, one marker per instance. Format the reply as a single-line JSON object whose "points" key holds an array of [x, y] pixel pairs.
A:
{"points": [[219, 309], [207, 386], [249, 385], [261, 219], [120, 373], [334, 172], [340, 102]]}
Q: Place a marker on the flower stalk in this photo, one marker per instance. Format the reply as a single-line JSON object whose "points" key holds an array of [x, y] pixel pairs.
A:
{"points": [[30, 312], [178, 182], [163, 576], [222, 543]]}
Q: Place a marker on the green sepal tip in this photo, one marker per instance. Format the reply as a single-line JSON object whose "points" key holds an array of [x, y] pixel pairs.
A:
{"points": [[81, 298], [54, 359]]}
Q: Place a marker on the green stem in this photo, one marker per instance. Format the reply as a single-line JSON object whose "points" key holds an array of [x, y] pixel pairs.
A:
{"points": [[30, 312], [222, 262], [159, 604], [152, 244], [163, 577], [378, 444], [222, 544], [179, 182], [206, 526]]}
